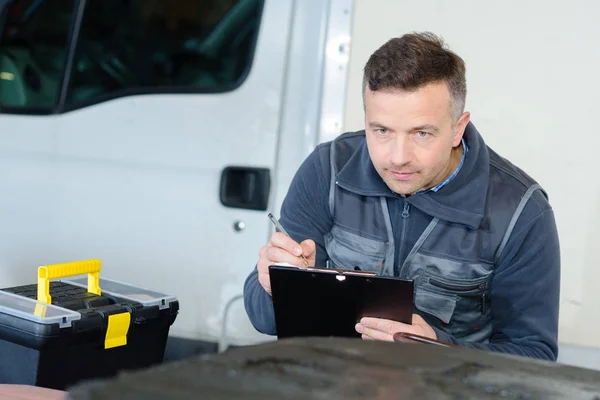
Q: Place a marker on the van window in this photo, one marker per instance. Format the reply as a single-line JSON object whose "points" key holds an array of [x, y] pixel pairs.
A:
{"points": [[123, 47], [33, 47]]}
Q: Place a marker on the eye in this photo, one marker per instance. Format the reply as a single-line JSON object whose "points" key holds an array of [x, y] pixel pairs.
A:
{"points": [[382, 131], [422, 134]]}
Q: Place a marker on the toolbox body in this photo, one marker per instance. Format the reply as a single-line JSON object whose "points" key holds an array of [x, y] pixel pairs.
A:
{"points": [[80, 335]]}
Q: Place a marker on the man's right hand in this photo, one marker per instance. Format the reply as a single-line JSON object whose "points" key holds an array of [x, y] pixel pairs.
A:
{"points": [[283, 249]]}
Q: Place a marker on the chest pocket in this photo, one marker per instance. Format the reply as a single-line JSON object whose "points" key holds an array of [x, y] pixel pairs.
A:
{"points": [[457, 296], [348, 250]]}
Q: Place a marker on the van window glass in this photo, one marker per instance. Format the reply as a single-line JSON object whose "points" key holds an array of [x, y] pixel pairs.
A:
{"points": [[124, 47], [33, 47], [156, 46]]}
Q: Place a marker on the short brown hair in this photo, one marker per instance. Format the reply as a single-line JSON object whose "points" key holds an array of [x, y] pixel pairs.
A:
{"points": [[414, 60]]}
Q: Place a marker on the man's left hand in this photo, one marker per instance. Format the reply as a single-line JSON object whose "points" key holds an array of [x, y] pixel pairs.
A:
{"points": [[384, 329]]}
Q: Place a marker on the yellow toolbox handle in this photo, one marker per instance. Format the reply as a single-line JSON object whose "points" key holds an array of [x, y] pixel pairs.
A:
{"points": [[55, 271]]}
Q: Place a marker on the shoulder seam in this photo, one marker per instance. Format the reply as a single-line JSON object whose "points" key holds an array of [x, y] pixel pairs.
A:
{"points": [[501, 168], [515, 217]]}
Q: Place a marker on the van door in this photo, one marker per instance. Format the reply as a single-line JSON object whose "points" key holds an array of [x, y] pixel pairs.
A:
{"points": [[142, 133]]}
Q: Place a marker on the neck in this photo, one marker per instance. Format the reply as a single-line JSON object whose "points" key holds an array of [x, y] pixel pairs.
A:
{"points": [[455, 156]]}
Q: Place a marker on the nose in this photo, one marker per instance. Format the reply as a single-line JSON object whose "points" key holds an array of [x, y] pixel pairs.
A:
{"points": [[401, 151]]}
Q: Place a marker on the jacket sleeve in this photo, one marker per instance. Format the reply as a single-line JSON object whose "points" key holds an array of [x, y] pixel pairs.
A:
{"points": [[525, 290], [304, 215]]}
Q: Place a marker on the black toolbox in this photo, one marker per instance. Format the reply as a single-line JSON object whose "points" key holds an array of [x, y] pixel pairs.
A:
{"points": [[56, 333]]}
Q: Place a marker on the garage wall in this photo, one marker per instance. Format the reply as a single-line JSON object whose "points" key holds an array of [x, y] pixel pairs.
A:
{"points": [[534, 89]]}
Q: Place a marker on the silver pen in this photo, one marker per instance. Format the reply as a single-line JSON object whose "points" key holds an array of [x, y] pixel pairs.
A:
{"points": [[280, 229]]}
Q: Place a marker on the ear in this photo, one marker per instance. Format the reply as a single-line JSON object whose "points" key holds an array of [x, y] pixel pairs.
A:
{"points": [[460, 127]]}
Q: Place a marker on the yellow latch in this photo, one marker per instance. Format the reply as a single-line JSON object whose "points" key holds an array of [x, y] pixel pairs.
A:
{"points": [[116, 333], [47, 272], [40, 310]]}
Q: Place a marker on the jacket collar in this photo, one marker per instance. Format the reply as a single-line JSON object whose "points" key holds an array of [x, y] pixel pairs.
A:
{"points": [[461, 201]]}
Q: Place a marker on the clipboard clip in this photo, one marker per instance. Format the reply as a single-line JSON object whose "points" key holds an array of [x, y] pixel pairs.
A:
{"points": [[342, 271]]}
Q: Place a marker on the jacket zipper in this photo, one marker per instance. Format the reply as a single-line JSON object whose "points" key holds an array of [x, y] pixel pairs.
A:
{"points": [[463, 288], [405, 215], [405, 211]]}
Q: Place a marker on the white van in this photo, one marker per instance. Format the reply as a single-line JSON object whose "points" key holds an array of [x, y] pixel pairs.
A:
{"points": [[157, 135]]}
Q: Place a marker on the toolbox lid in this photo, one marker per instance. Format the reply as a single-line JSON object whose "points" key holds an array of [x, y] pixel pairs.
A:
{"points": [[36, 311], [129, 292]]}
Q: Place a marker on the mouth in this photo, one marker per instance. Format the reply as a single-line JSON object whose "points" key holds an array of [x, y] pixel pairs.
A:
{"points": [[403, 176]]}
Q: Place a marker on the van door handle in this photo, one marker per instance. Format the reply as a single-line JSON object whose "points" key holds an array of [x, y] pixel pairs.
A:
{"points": [[245, 187]]}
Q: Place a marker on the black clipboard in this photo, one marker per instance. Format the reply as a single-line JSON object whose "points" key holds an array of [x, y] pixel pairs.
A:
{"points": [[329, 302]]}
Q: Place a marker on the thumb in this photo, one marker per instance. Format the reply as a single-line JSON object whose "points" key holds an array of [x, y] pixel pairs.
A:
{"points": [[417, 320], [308, 247]]}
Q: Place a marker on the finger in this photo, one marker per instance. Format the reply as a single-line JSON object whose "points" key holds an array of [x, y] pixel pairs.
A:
{"points": [[262, 253], [365, 337], [374, 334], [278, 255], [285, 242], [309, 248], [383, 325]]}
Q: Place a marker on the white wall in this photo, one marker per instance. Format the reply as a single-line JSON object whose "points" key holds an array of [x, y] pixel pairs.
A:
{"points": [[533, 71]]}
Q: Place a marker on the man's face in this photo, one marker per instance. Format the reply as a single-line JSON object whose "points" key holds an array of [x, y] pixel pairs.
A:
{"points": [[410, 136]]}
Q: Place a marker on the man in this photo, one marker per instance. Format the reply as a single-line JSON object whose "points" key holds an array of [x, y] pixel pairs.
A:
{"points": [[419, 195]]}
